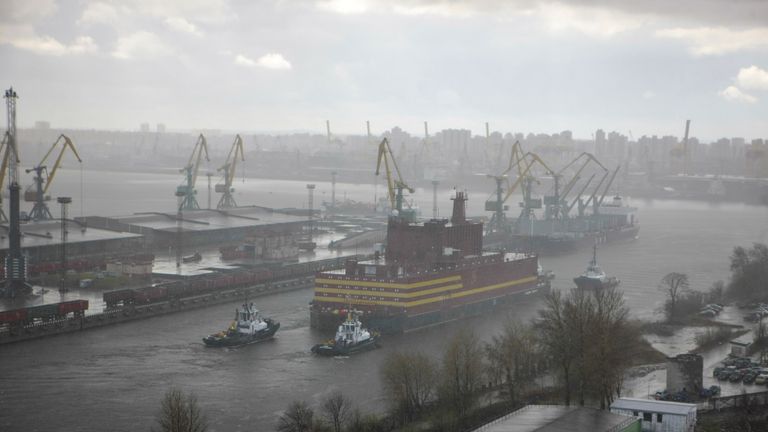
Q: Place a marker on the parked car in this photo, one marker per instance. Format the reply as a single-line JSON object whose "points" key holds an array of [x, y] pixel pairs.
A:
{"points": [[749, 378], [761, 379]]}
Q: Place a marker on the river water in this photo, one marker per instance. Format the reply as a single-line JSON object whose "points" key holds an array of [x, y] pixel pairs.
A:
{"points": [[114, 378]]}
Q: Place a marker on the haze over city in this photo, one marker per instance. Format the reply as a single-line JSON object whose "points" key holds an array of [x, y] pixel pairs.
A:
{"points": [[529, 65]]}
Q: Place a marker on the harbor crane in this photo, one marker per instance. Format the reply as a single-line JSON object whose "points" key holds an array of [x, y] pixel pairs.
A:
{"points": [[229, 168], [557, 205], [395, 185], [44, 179], [187, 191], [498, 218]]}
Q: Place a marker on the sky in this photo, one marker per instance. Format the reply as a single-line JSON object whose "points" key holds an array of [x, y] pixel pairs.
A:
{"points": [[639, 67]]}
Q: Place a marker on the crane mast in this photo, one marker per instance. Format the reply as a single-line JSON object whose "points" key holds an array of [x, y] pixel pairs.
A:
{"points": [[44, 178], [187, 191], [229, 169], [15, 262]]}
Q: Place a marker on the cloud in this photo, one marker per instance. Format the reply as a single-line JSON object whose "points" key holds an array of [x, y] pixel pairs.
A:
{"points": [[201, 11], [648, 94], [244, 61], [179, 24], [345, 7], [733, 94], [752, 78], [704, 41], [24, 11], [140, 45], [268, 61], [591, 21], [273, 61], [47, 45], [101, 13]]}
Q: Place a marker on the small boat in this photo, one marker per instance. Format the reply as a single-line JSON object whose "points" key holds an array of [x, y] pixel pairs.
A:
{"points": [[350, 338], [192, 258], [594, 277], [247, 328]]}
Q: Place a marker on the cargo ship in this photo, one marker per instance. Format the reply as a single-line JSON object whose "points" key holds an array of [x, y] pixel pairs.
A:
{"points": [[429, 273]]}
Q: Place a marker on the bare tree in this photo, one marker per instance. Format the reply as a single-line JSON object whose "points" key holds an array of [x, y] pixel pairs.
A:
{"points": [[409, 383], [462, 371], [514, 354], [180, 413], [674, 285], [556, 340], [611, 345], [336, 410], [298, 417]]}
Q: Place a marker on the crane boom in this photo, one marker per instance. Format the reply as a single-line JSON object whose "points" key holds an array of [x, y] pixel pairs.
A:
{"points": [[52, 172], [229, 168], [396, 185], [201, 146], [610, 182], [586, 185], [528, 165]]}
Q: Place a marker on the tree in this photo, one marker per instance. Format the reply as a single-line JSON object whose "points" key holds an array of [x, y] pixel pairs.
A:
{"points": [[611, 343], [556, 340], [180, 413], [749, 271], [336, 410], [462, 371], [514, 355], [298, 417], [674, 285], [409, 383]]}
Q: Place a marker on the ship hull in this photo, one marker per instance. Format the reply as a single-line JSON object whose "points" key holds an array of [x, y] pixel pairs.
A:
{"points": [[393, 323], [333, 350], [240, 340], [549, 245]]}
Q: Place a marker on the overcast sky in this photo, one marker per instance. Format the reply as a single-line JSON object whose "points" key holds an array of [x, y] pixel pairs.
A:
{"points": [[526, 65]]}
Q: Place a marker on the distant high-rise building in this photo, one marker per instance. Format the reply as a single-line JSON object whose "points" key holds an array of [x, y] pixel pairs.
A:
{"points": [[161, 128], [42, 125], [600, 143], [144, 127]]}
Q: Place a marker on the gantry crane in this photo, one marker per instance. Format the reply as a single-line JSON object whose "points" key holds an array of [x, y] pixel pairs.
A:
{"points": [[395, 186], [229, 168], [187, 191], [44, 178], [557, 205]]}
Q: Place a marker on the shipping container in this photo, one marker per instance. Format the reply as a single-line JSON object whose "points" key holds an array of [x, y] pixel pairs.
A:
{"points": [[13, 316], [76, 306], [44, 311]]}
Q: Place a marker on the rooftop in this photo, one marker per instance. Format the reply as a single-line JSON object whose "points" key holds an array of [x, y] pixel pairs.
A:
{"points": [[48, 233], [206, 220], [558, 418], [657, 406]]}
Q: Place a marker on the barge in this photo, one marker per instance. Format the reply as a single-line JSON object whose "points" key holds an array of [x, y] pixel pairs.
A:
{"points": [[430, 273]]}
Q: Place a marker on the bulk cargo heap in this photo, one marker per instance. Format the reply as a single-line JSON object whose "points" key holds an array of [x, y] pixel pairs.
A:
{"points": [[430, 273]]}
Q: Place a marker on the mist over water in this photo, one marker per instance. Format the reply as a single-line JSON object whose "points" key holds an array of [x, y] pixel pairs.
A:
{"points": [[113, 378]]}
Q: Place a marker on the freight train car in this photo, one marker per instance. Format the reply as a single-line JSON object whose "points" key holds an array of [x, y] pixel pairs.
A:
{"points": [[43, 313]]}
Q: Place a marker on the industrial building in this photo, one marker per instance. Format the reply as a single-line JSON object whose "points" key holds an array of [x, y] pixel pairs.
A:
{"points": [[658, 416], [558, 418], [199, 227], [41, 241]]}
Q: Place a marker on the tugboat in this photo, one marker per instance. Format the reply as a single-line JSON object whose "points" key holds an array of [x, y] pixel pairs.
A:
{"points": [[247, 328], [350, 338], [594, 277]]}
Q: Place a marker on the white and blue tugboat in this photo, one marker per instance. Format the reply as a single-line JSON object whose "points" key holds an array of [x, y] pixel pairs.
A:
{"points": [[247, 328], [594, 277], [350, 338]]}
